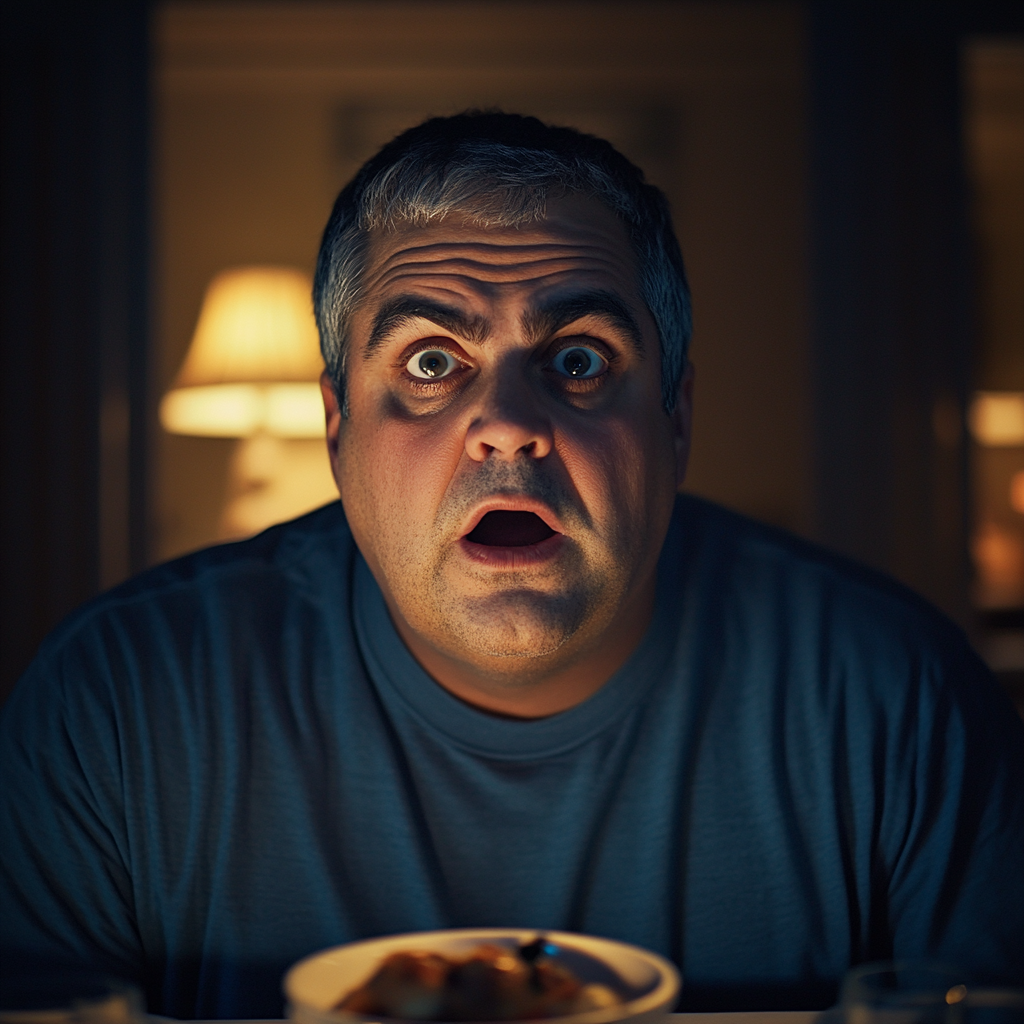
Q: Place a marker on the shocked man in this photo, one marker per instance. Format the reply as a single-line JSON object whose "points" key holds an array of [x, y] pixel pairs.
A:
{"points": [[513, 678]]}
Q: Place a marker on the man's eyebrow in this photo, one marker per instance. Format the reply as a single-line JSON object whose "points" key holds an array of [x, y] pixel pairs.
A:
{"points": [[553, 316], [397, 312]]}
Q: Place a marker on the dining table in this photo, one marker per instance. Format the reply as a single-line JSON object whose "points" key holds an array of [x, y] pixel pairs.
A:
{"points": [[738, 1017]]}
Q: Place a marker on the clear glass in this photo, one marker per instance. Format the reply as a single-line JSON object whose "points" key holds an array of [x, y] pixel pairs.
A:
{"points": [[909, 993], [69, 997]]}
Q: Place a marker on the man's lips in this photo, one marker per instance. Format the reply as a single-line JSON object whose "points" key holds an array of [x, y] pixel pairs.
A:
{"points": [[513, 504], [512, 534]]}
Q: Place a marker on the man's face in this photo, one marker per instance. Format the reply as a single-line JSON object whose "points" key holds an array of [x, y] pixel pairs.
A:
{"points": [[506, 466]]}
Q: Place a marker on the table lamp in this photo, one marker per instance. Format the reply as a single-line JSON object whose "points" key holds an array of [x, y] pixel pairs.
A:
{"points": [[252, 372], [254, 361]]}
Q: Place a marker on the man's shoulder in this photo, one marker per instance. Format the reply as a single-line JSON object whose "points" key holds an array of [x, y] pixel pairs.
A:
{"points": [[285, 557], [765, 569], [815, 630], [226, 627]]}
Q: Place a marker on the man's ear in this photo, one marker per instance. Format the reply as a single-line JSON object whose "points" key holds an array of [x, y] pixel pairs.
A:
{"points": [[682, 423], [332, 414]]}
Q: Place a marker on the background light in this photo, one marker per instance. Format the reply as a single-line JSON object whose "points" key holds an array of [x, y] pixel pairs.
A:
{"points": [[997, 418], [252, 372], [254, 361]]}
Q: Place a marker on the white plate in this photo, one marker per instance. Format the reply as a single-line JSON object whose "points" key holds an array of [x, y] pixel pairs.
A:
{"points": [[317, 983]]}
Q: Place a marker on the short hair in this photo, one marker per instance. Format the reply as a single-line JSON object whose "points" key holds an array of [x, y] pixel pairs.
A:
{"points": [[499, 170]]}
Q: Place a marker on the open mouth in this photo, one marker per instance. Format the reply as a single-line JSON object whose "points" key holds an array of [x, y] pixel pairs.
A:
{"points": [[505, 528]]}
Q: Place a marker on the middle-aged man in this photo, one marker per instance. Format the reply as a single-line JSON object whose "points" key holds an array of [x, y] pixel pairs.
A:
{"points": [[512, 678]]}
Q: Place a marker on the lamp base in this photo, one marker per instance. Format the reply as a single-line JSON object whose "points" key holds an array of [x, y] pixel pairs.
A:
{"points": [[272, 479]]}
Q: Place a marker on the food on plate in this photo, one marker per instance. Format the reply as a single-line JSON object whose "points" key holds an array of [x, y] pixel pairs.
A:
{"points": [[492, 983]]}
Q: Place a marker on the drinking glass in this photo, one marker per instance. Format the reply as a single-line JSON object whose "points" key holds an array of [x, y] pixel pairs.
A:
{"points": [[69, 997], [919, 993]]}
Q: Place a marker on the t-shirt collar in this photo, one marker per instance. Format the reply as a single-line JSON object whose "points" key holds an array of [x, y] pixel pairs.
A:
{"points": [[404, 685]]}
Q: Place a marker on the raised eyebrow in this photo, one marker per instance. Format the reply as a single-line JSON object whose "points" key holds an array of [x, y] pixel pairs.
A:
{"points": [[552, 316], [397, 312]]}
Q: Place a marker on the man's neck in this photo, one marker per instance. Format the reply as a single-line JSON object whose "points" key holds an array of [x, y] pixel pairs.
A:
{"points": [[535, 688]]}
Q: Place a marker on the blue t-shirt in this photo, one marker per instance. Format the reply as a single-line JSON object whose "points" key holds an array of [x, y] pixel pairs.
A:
{"points": [[232, 761]]}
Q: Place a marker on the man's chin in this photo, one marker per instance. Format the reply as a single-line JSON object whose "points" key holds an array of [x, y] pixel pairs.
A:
{"points": [[518, 624]]}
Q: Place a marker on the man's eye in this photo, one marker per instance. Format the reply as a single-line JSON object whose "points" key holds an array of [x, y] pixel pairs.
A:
{"points": [[579, 362], [432, 364]]}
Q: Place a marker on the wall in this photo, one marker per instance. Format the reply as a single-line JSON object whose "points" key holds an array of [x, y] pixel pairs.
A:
{"points": [[73, 310]]}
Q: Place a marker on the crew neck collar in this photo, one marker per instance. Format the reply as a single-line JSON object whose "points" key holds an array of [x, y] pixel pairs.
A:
{"points": [[400, 678]]}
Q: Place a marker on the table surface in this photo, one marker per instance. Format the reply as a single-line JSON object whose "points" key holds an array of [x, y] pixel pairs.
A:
{"points": [[757, 1017]]}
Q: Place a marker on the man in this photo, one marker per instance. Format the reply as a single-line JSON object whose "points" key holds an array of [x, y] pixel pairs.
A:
{"points": [[511, 679]]}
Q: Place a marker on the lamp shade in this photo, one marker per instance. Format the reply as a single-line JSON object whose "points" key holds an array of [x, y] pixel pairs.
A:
{"points": [[254, 361]]}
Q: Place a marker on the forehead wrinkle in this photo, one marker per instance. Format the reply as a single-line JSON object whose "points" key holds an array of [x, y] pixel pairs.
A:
{"points": [[427, 250], [402, 310], [554, 314], [491, 258], [497, 272]]}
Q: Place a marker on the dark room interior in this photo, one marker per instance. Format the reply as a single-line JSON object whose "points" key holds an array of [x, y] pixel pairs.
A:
{"points": [[857, 284]]}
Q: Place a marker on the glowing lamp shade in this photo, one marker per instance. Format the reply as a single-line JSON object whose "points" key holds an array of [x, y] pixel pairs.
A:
{"points": [[254, 361], [997, 418]]}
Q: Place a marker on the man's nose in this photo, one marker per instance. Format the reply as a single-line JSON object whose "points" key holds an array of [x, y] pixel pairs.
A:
{"points": [[508, 423]]}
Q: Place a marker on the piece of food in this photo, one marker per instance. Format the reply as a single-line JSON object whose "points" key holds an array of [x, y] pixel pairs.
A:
{"points": [[490, 984]]}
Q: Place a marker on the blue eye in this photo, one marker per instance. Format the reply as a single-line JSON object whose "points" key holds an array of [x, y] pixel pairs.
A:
{"points": [[432, 364], [579, 362]]}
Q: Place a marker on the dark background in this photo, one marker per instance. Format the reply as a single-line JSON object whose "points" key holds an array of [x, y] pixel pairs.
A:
{"points": [[891, 276]]}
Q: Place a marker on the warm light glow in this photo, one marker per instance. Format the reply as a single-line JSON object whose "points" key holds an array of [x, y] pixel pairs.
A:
{"points": [[254, 360], [273, 479], [1017, 492], [294, 410], [241, 410], [999, 561], [997, 418]]}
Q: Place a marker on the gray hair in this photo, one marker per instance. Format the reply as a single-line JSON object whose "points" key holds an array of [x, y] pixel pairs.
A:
{"points": [[500, 170]]}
